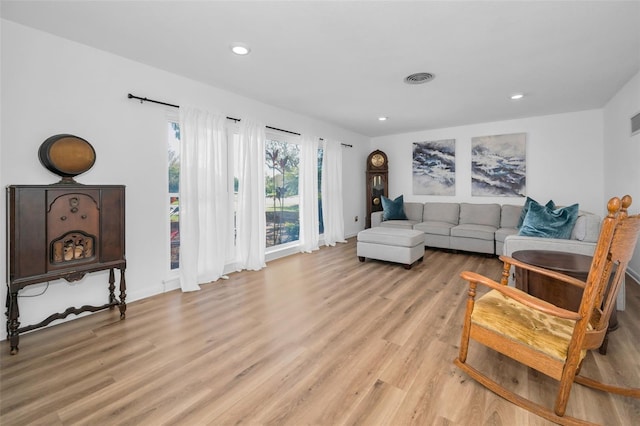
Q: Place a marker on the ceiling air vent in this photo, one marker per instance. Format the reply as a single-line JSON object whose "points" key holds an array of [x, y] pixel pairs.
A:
{"points": [[635, 124], [419, 78]]}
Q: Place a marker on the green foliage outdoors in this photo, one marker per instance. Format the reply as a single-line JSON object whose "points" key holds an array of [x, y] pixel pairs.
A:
{"points": [[174, 163], [174, 173], [281, 182], [282, 160]]}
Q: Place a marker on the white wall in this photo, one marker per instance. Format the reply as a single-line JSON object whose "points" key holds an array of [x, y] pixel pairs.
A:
{"points": [[50, 85], [622, 152], [564, 159]]}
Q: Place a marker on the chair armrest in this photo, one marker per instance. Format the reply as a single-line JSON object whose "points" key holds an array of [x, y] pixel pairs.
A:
{"points": [[520, 296], [553, 274]]}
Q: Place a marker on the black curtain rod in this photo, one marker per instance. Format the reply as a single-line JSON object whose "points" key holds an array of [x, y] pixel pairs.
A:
{"points": [[130, 96]]}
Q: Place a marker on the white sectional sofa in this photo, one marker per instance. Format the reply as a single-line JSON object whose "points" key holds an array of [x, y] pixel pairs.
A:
{"points": [[486, 228], [491, 229]]}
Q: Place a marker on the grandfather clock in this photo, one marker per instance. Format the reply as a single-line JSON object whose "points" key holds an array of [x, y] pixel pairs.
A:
{"points": [[377, 182]]}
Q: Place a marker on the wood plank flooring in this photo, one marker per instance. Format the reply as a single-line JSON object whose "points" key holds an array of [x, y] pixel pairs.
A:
{"points": [[317, 339]]}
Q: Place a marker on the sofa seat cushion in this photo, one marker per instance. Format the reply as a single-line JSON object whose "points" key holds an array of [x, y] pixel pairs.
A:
{"points": [[399, 224], [435, 228], [479, 232], [391, 237], [503, 233]]}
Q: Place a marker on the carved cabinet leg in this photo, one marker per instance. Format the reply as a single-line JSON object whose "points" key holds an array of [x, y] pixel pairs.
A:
{"points": [[112, 289], [12, 321], [7, 304], [123, 295]]}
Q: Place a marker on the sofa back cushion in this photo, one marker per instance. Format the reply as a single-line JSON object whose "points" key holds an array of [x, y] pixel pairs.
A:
{"points": [[510, 215], [441, 212], [480, 214], [413, 211]]}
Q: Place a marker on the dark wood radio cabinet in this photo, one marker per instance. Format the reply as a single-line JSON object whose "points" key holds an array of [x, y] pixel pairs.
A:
{"points": [[63, 231]]}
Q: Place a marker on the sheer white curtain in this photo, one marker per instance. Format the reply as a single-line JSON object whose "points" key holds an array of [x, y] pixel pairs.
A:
{"points": [[204, 206], [250, 216], [308, 192], [332, 215]]}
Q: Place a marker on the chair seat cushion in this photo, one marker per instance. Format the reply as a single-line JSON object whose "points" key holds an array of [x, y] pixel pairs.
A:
{"points": [[545, 333]]}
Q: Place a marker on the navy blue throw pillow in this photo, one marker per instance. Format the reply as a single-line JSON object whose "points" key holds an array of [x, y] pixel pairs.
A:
{"points": [[393, 209], [541, 221], [527, 203]]}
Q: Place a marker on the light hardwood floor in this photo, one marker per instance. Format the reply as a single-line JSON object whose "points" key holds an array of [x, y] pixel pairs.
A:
{"points": [[316, 339]]}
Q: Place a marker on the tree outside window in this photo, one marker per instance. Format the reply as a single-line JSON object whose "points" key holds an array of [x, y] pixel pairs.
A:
{"points": [[281, 190]]}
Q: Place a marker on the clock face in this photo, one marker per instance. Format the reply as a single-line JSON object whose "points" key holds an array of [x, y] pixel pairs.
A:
{"points": [[377, 160]]}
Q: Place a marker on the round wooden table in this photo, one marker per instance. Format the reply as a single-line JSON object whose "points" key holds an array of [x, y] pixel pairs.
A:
{"points": [[554, 291]]}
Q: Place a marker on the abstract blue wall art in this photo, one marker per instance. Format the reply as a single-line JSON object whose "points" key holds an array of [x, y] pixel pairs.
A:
{"points": [[498, 165], [434, 167]]}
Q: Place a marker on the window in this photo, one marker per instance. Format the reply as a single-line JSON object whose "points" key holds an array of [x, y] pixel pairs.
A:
{"points": [[282, 203], [173, 139]]}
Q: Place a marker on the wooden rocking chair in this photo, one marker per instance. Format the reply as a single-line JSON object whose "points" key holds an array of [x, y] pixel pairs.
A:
{"points": [[543, 336]]}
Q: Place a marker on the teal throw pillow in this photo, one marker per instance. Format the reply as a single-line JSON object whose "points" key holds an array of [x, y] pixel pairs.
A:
{"points": [[541, 221], [393, 209], [527, 204]]}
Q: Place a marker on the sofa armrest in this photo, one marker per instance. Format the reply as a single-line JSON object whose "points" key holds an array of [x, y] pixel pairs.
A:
{"points": [[376, 219], [513, 243]]}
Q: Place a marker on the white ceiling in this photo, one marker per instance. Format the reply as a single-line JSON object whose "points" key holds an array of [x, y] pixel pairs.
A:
{"points": [[344, 61]]}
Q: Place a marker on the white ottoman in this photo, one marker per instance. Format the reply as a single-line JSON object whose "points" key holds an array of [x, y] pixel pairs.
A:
{"points": [[391, 244]]}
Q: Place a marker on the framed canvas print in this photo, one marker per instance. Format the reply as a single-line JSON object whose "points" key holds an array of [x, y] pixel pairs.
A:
{"points": [[498, 165], [434, 167]]}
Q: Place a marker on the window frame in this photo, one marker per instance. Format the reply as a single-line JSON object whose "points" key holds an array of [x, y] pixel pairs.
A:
{"points": [[289, 138]]}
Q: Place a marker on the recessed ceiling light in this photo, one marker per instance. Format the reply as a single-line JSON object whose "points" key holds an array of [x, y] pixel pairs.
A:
{"points": [[517, 96], [240, 49], [382, 118]]}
